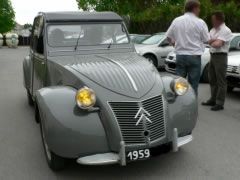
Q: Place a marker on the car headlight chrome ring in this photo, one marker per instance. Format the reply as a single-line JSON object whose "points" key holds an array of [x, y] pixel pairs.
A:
{"points": [[180, 86], [85, 98]]}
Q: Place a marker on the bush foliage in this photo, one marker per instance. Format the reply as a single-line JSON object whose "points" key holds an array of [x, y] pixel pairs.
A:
{"points": [[7, 16], [150, 16]]}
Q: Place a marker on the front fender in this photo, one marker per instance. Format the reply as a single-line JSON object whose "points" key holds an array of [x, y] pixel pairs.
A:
{"points": [[70, 132], [182, 110], [26, 72]]}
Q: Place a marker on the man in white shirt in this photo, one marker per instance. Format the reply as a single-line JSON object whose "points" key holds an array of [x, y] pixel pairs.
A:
{"points": [[188, 33], [220, 36]]}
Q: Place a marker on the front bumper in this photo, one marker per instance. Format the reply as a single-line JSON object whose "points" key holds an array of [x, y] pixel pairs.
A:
{"points": [[170, 66], [120, 158]]}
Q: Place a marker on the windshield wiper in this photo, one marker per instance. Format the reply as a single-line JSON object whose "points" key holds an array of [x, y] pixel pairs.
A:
{"points": [[110, 44], [75, 48]]}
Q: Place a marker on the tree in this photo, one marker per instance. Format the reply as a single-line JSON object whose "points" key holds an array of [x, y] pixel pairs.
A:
{"points": [[143, 13], [151, 16], [7, 16]]}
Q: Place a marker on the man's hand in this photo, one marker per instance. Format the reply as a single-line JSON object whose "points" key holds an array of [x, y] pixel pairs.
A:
{"points": [[211, 41], [171, 41], [217, 43]]}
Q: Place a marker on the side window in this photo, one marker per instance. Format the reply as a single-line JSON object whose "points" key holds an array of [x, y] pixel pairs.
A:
{"points": [[32, 34], [37, 35]]}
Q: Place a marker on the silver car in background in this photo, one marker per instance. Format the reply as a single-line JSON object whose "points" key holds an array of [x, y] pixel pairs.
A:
{"points": [[138, 38], [233, 72], [170, 62], [155, 49]]}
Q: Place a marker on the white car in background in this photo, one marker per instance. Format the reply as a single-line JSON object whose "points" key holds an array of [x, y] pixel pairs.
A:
{"points": [[138, 38], [233, 72], [170, 62], [155, 49]]}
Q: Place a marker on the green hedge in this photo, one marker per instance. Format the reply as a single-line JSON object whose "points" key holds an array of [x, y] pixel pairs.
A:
{"points": [[159, 18], [151, 16]]}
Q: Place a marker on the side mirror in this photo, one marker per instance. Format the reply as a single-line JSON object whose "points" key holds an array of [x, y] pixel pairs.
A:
{"points": [[164, 44]]}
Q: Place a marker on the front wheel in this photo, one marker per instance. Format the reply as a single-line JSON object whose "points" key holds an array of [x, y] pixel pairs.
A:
{"points": [[55, 162], [151, 58], [30, 100]]}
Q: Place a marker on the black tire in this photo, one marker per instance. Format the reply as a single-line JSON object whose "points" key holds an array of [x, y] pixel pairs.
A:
{"points": [[152, 59], [30, 100], [36, 113], [55, 162], [230, 89], [205, 77]]}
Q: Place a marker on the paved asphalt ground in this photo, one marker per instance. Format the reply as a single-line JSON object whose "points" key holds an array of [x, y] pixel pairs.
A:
{"points": [[213, 155]]}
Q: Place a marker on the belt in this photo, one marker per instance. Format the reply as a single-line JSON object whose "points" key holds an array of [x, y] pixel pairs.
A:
{"points": [[219, 53]]}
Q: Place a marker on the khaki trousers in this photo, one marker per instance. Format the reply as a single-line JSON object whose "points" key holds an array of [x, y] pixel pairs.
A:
{"points": [[217, 77]]}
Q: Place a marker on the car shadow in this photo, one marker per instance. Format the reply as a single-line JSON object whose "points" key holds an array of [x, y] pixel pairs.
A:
{"points": [[235, 94]]}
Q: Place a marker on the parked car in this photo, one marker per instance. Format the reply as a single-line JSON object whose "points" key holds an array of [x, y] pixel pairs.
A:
{"points": [[138, 38], [170, 62], [101, 103], [233, 72], [155, 49]]}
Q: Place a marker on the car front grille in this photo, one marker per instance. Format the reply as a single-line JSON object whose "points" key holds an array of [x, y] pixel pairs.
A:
{"points": [[172, 66], [125, 113], [171, 57], [233, 69]]}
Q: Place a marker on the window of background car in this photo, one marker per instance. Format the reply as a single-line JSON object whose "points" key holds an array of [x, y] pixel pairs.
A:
{"points": [[88, 35], [155, 39], [234, 45]]}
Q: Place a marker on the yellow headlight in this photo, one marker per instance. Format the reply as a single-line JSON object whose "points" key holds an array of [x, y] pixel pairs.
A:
{"points": [[85, 98], [181, 86]]}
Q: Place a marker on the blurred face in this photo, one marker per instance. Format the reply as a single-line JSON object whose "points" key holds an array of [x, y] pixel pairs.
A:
{"points": [[215, 22], [197, 10]]}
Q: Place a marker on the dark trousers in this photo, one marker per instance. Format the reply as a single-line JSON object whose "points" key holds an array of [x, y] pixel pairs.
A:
{"points": [[217, 78], [190, 67]]}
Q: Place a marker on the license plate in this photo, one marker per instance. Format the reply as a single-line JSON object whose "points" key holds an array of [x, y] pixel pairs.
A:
{"points": [[138, 155]]}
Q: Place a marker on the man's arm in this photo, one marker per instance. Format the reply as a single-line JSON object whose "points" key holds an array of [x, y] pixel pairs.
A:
{"points": [[170, 34], [217, 43], [220, 41], [171, 41], [211, 41], [205, 33]]}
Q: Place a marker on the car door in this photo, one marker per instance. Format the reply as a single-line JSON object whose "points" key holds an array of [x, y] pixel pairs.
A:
{"points": [[38, 57], [164, 49]]}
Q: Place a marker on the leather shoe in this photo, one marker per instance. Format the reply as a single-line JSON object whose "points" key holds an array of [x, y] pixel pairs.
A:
{"points": [[209, 103], [217, 108]]}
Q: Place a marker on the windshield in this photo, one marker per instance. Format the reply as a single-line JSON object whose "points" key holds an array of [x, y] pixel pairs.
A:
{"points": [[88, 35], [155, 39], [138, 39]]}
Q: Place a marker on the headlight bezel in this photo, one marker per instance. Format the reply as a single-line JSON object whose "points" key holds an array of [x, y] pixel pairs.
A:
{"points": [[180, 83], [91, 94]]}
